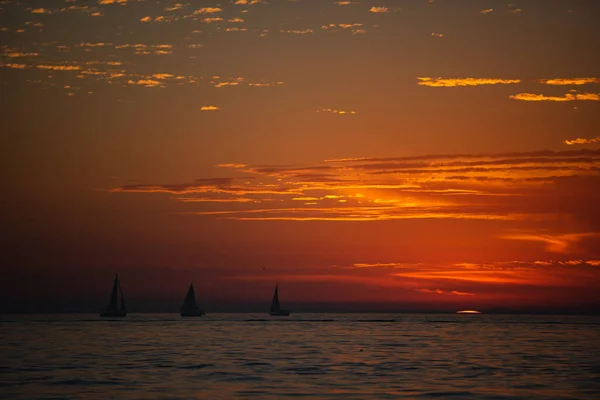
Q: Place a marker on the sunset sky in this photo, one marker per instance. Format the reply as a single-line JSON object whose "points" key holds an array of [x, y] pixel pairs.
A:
{"points": [[367, 155]]}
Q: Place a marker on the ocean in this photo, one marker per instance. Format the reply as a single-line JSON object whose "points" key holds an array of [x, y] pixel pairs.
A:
{"points": [[311, 356]]}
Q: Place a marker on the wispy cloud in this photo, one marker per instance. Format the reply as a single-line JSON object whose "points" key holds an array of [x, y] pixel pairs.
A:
{"points": [[208, 10], [582, 141], [506, 186], [336, 111], [569, 81], [553, 243], [41, 11], [209, 108], [486, 11], [566, 97], [454, 82], [376, 9], [296, 31]]}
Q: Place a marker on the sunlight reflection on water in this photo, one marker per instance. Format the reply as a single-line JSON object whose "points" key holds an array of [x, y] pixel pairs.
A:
{"points": [[307, 355]]}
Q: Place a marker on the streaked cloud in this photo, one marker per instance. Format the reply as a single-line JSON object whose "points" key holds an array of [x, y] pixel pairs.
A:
{"points": [[209, 108], [209, 20], [486, 11], [444, 292], [454, 82], [17, 54], [501, 187], [338, 112], [582, 141], [440, 35], [145, 82], [249, 2], [566, 97], [296, 31], [553, 243], [569, 81], [41, 11], [378, 9], [207, 10]]}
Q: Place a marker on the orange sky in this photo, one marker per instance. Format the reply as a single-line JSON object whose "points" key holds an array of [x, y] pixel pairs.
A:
{"points": [[405, 155]]}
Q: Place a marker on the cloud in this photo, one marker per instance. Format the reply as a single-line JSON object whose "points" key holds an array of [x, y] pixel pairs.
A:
{"points": [[454, 82], [59, 67], [440, 35], [486, 11], [380, 10], [41, 11], [104, 2], [231, 165], [249, 2], [17, 54], [515, 186], [566, 97], [553, 243], [337, 112], [15, 66], [211, 20], [582, 141], [438, 291], [296, 31], [208, 10], [145, 82], [146, 19], [569, 81], [209, 108]]}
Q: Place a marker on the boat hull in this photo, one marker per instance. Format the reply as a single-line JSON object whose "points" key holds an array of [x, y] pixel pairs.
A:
{"points": [[113, 313], [280, 313], [191, 313]]}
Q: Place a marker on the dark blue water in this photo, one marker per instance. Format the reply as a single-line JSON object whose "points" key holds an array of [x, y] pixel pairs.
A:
{"points": [[368, 356]]}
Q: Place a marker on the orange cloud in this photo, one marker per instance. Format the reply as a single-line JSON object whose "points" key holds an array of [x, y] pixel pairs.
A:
{"points": [[209, 108], [569, 81], [554, 243], [208, 10], [59, 67], [211, 20], [41, 11], [379, 10], [17, 54], [438, 291], [337, 112], [566, 97], [145, 82], [582, 141], [504, 186], [486, 11], [296, 31], [454, 82]]}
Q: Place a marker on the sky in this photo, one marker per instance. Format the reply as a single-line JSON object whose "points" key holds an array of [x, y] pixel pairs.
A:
{"points": [[422, 155]]}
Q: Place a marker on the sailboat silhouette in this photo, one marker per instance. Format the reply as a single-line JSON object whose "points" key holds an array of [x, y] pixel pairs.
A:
{"points": [[113, 309], [276, 310], [190, 308]]}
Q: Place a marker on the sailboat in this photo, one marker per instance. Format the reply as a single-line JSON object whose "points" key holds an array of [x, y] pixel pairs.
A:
{"points": [[113, 309], [276, 310], [189, 308]]}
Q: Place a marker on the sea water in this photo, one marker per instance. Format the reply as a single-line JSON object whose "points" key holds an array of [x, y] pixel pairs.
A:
{"points": [[312, 356]]}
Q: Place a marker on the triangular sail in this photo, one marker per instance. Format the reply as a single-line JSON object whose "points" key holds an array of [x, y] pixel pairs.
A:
{"points": [[275, 303], [190, 300], [112, 304], [123, 308]]}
